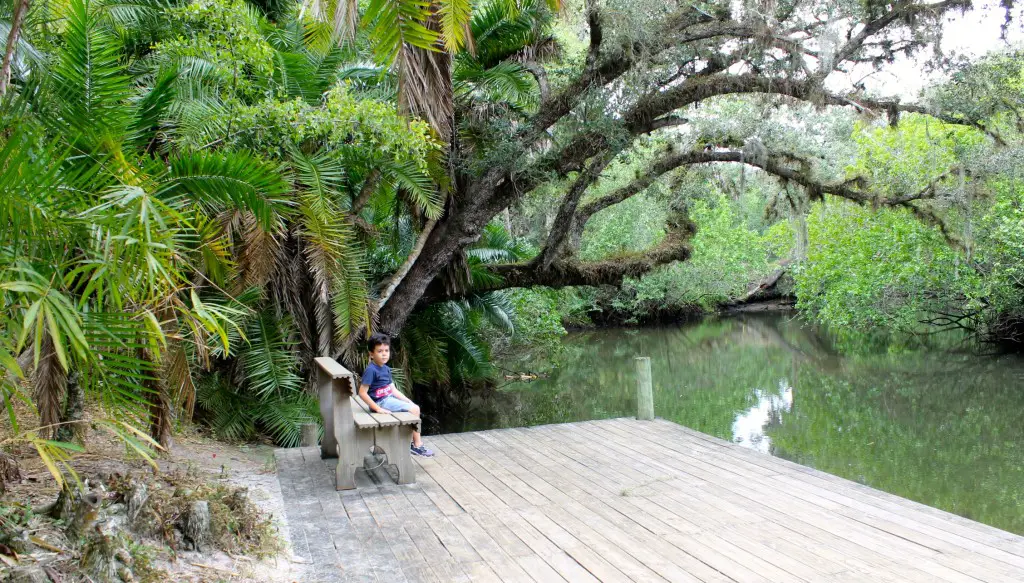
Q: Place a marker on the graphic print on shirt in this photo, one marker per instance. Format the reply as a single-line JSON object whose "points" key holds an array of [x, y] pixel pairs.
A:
{"points": [[378, 378]]}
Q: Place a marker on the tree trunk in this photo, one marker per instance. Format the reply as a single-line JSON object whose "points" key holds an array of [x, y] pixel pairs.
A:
{"points": [[20, 10], [72, 429], [159, 407]]}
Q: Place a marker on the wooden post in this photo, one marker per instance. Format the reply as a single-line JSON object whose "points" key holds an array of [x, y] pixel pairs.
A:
{"points": [[310, 434], [325, 382], [644, 389]]}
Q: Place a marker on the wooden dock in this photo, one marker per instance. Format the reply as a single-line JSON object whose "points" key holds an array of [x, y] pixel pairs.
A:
{"points": [[624, 500]]}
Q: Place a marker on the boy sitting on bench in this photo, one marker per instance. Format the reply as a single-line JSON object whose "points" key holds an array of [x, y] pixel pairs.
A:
{"points": [[379, 392]]}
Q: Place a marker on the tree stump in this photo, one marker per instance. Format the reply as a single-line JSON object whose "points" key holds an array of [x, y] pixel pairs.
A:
{"points": [[310, 435], [136, 500], [196, 526], [85, 510], [99, 558], [9, 471], [31, 574]]}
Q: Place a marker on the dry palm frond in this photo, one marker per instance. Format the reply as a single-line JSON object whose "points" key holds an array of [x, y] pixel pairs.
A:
{"points": [[346, 19], [178, 375], [259, 258], [50, 382], [321, 268], [291, 291], [425, 87]]}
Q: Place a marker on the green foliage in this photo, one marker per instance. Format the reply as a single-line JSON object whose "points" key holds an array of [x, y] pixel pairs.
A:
{"points": [[885, 268], [226, 34], [728, 256], [1000, 249], [537, 315], [877, 269], [907, 158]]}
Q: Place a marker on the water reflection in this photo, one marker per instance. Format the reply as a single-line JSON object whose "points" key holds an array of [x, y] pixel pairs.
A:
{"points": [[751, 427], [940, 428]]}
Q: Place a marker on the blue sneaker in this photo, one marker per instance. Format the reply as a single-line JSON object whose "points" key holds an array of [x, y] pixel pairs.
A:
{"points": [[421, 450]]}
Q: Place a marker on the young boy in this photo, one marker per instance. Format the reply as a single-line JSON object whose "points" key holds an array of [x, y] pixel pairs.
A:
{"points": [[380, 393]]}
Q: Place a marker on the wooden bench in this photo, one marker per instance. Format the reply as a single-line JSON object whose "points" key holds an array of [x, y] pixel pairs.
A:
{"points": [[350, 429]]}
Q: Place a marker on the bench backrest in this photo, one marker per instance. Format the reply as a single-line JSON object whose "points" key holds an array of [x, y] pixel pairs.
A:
{"points": [[335, 385]]}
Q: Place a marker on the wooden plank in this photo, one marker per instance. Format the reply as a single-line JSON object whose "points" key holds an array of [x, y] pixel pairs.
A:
{"points": [[384, 419], [544, 548], [610, 443], [440, 560], [406, 418], [379, 553], [943, 540], [442, 527], [885, 501], [412, 562], [881, 543], [642, 538], [649, 515], [629, 565], [469, 459], [997, 564], [566, 513], [593, 562], [578, 518], [438, 497], [362, 419], [502, 469], [492, 553], [332, 367], [657, 515]]}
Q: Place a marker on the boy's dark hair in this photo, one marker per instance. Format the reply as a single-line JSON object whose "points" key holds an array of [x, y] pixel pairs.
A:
{"points": [[376, 340]]}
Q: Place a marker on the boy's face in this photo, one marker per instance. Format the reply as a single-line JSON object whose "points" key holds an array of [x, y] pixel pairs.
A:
{"points": [[380, 354]]}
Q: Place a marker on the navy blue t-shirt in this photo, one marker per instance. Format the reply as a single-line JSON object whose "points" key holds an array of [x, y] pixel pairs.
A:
{"points": [[378, 378]]}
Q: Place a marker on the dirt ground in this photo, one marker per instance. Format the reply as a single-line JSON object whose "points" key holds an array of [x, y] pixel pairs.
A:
{"points": [[244, 465]]}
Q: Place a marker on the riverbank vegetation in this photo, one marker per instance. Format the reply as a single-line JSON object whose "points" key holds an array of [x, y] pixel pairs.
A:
{"points": [[198, 197]]}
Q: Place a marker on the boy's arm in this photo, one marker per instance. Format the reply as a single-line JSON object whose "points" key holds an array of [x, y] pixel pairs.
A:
{"points": [[365, 396], [398, 394]]}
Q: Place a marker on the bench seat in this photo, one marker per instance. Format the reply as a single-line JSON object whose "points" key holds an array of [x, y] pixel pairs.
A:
{"points": [[351, 429]]}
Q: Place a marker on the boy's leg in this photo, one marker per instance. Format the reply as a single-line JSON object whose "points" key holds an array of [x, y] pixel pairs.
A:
{"points": [[392, 404]]}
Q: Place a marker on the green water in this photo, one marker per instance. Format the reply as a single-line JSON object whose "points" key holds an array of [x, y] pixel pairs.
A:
{"points": [[939, 427]]}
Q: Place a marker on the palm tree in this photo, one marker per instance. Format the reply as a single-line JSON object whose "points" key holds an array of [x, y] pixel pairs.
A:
{"points": [[109, 248], [419, 39]]}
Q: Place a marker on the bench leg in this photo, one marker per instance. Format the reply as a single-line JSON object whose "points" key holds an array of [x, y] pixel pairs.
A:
{"points": [[349, 456], [397, 440]]}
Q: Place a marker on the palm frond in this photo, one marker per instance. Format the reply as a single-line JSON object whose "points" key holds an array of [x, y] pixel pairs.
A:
{"points": [[504, 82], [417, 184], [89, 81], [454, 18], [120, 369], [152, 109], [283, 418], [233, 179], [497, 308], [230, 413], [28, 174], [260, 256], [268, 361], [394, 23]]}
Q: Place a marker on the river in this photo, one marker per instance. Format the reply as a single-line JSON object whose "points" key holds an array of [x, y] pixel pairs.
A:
{"points": [[940, 427]]}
